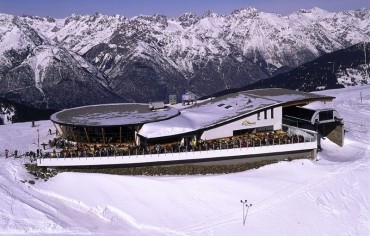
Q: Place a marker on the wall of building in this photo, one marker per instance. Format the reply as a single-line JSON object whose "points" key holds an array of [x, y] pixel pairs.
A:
{"points": [[334, 131], [250, 122]]}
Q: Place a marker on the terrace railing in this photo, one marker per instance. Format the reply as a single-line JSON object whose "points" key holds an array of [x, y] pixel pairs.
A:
{"points": [[292, 139]]}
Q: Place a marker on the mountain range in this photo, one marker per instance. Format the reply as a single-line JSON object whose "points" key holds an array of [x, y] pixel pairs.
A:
{"points": [[343, 68], [89, 59]]}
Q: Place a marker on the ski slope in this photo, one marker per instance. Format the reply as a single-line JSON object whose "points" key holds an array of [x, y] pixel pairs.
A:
{"points": [[330, 196]]}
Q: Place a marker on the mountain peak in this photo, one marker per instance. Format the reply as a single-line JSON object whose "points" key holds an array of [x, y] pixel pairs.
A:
{"points": [[361, 13], [249, 12], [318, 10], [187, 19], [315, 10], [152, 19], [210, 14]]}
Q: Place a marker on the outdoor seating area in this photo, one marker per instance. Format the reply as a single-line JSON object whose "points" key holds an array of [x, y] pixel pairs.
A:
{"points": [[70, 149]]}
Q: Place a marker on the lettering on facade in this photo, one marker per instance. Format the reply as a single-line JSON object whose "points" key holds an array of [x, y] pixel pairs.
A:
{"points": [[247, 122]]}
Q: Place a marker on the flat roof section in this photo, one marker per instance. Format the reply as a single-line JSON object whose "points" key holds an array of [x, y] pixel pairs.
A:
{"points": [[287, 95], [113, 115]]}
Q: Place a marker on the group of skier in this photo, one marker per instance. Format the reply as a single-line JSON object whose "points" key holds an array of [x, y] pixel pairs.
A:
{"points": [[15, 154]]}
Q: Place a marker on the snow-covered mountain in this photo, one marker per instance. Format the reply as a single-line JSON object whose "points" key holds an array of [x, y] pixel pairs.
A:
{"points": [[34, 70], [98, 58], [343, 68]]}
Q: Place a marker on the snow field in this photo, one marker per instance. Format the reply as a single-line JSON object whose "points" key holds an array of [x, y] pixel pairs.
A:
{"points": [[330, 196]]}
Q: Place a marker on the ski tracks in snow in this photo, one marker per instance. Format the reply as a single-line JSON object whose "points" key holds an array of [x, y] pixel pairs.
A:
{"points": [[307, 187], [276, 198], [109, 216]]}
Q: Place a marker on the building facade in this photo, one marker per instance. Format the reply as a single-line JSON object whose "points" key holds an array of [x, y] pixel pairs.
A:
{"points": [[234, 122]]}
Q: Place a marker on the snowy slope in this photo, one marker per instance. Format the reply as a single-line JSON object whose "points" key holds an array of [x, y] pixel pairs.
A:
{"points": [[330, 196]]}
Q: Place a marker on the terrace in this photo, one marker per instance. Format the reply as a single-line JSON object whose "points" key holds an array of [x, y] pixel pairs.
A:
{"points": [[288, 139]]}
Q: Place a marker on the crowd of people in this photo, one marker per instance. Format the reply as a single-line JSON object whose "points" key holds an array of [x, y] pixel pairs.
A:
{"points": [[34, 154], [70, 149]]}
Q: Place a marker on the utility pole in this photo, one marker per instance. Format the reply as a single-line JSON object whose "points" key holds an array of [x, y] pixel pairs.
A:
{"points": [[38, 138], [366, 67]]}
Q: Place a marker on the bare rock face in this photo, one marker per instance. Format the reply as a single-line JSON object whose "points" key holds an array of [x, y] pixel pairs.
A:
{"points": [[90, 59]]}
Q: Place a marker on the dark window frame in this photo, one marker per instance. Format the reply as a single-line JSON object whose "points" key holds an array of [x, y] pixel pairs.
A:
{"points": [[272, 113]]}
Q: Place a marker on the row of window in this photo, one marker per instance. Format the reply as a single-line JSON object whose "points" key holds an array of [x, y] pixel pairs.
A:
{"points": [[253, 130], [99, 134], [265, 114]]}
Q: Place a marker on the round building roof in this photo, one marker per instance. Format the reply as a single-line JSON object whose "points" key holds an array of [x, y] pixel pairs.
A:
{"points": [[112, 115]]}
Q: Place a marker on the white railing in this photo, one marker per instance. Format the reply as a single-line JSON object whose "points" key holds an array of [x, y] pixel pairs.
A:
{"points": [[299, 140]]}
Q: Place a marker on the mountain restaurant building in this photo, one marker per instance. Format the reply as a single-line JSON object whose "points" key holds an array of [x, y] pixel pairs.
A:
{"points": [[240, 127]]}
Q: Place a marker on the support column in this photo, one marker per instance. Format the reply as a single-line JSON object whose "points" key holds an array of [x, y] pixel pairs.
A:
{"points": [[58, 129], [136, 137], [314, 154], [120, 135], [102, 131], [318, 136], [87, 136], [74, 137]]}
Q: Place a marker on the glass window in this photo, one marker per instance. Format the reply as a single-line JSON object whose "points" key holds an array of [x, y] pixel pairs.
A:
{"points": [[325, 115]]}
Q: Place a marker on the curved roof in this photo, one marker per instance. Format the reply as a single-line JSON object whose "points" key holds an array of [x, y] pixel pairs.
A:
{"points": [[312, 115], [112, 115], [227, 108]]}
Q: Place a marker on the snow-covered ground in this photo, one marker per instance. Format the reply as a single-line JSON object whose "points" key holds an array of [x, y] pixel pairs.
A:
{"points": [[303, 197]]}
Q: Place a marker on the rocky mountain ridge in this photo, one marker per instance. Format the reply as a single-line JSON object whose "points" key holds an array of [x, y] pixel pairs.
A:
{"points": [[347, 67], [89, 59]]}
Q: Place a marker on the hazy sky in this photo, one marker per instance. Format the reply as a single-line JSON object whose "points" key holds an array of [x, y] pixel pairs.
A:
{"points": [[171, 8]]}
